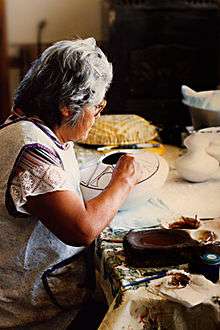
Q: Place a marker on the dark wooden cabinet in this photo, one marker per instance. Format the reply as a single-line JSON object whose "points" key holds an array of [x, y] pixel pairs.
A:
{"points": [[156, 46]]}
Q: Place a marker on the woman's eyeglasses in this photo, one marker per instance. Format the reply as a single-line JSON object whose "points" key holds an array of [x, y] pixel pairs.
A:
{"points": [[100, 107]]}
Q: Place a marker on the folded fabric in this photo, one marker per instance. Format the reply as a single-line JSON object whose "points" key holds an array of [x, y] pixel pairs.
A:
{"points": [[198, 290]]}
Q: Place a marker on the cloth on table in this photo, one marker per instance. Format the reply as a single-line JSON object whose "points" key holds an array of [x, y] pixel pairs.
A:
{"points": [[175, 198], [198, 290], [140, 309], [147, 214], [190, 199]]}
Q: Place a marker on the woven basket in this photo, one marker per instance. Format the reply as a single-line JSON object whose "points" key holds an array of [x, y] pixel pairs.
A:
{"points": [[120, 130]]}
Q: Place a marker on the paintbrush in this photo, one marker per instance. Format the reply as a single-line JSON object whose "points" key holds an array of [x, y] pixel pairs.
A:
{"points": [[130, 146]]}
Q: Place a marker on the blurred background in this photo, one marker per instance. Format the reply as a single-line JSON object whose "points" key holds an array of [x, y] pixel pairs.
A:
{"points": [[155, 47]]}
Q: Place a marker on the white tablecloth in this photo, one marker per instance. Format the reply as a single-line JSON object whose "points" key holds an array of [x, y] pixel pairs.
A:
{"points": [[177, 197]]}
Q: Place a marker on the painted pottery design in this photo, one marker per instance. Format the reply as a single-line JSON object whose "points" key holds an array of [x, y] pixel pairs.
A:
{"points": [[96, 177]]}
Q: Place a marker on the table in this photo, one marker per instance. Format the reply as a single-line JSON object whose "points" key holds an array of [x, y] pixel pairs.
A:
{"points": [[132, 305]]}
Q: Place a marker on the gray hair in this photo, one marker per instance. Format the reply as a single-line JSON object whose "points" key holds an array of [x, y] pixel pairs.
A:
{"points": [[68, 73]]}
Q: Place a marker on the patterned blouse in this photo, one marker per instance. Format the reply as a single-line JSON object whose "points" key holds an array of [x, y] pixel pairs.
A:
{"points": [[38, 169]]}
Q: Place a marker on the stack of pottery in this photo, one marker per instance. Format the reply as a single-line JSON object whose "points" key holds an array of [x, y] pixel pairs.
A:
{"points": [[201, 162]]}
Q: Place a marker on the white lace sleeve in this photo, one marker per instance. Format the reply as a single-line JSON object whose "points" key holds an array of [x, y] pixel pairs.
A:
{"points": [[36, 175]]}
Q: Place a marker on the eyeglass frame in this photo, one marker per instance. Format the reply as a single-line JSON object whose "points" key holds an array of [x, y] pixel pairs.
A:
{"points": [[100, 107]]}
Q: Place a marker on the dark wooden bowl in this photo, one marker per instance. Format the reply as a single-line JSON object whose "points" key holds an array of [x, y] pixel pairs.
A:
{"points": [[159, 247]]}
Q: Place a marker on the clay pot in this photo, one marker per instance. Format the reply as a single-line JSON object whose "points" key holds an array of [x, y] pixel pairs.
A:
{"points": [[197, 165], [96, 177]]}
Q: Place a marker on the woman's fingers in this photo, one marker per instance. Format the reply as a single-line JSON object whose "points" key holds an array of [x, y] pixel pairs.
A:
{"points": [[128, 168]]}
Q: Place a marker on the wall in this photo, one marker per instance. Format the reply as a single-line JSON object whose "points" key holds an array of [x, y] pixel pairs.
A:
{"points": [[65, 19]]}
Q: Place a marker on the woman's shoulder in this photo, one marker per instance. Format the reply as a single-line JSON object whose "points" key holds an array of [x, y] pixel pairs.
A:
{"points": [[24, 132]]}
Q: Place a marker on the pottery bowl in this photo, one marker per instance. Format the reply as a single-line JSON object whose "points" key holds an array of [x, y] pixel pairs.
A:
{"points": [[159, 247], [97, 176], [203, 106], [202, 118]]}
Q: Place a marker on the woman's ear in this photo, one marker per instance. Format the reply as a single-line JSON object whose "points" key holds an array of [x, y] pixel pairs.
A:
{"points": [[65, 112]]}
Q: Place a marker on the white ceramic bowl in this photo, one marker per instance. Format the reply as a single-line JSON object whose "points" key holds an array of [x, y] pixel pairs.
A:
{"points": [[96, 177]]}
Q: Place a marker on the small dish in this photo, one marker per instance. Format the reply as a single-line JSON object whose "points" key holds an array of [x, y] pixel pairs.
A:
{"points": [[181, 222], [202, 231], [176, 279], [204, 236]]}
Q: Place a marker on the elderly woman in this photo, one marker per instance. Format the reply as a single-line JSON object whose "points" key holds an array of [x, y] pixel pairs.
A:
{"points": [[45, 224]]}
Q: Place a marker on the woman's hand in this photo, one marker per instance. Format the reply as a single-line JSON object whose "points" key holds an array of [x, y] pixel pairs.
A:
{"points": [[127, 169]]}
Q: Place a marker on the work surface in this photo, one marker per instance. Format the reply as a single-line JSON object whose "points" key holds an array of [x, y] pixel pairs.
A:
{"points": [[132, 303]]}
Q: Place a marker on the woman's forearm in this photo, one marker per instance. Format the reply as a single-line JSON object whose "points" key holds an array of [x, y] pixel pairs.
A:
{"points": [[76, 222]]}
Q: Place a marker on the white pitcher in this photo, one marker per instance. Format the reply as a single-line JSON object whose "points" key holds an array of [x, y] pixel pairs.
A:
{"points": [[197, 165]]}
